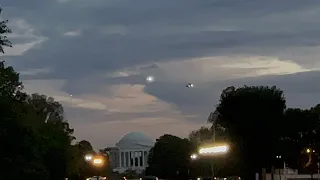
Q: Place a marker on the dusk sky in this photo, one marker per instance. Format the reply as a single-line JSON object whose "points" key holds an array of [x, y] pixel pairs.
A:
{"points": [[101, 51]]}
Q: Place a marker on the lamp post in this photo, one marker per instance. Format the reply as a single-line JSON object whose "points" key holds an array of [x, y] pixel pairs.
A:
{"points": [[211, 151], [284, 165], [310, 152], [194, 156], [97, 161], [88, 157]]}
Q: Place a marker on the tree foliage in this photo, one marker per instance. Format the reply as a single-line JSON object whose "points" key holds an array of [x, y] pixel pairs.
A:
{"points": [[203, 137], [260, 127], [36, 138], [250, 116], [4, 30], [302, 134], [169, 158]]}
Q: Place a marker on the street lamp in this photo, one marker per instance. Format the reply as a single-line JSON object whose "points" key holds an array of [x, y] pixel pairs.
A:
{"points": [[97, 161], [194, 156], [214, 150], [284, 166], [88, 157], [310, 152]]}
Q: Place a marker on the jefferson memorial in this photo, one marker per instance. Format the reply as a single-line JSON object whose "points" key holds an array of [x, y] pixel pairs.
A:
{"points": [[130, 153]]}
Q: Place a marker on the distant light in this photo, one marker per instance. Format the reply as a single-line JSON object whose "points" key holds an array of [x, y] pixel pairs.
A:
{"points": [[97, 161], [88, 157], [194, 156], [150, 79], [214, 150]]}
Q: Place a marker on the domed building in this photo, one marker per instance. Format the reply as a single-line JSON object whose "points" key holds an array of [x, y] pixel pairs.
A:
{"points": [[130, 153]]}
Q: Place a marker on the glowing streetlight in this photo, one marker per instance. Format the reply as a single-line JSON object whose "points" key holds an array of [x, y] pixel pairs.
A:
{"points": [[88, 157], [308, 150], [194, 156], [98, 161], [214, 150]]}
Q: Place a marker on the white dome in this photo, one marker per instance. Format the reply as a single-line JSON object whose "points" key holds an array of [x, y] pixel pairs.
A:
{"points": [[135, 137]]}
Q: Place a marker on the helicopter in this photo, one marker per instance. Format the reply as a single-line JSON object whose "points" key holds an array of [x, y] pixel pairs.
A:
{"points": [[189, 85]]}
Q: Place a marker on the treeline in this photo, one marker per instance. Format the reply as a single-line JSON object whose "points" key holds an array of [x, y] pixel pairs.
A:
{"points": [[260, 130], [37, 142]]}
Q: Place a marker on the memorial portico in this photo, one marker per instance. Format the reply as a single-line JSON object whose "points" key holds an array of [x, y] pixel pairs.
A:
{"points": [[133, 158], [131, 153]]}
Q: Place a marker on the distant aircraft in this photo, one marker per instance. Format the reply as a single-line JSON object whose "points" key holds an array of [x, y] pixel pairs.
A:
{"points": [[189, 85]]}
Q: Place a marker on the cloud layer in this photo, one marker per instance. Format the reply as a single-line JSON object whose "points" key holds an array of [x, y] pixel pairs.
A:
{"points": [[94, 56]]}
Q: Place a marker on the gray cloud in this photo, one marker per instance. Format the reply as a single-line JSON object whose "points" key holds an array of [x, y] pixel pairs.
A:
{"points": [[298, 89], [117, 35]]}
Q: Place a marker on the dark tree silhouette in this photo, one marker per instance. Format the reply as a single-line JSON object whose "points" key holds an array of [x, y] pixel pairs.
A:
{"points": [[169, 158], [251, 117], [4, 30]]}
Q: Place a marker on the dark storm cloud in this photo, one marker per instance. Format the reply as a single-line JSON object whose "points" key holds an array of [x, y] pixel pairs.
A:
{"points": [[298, 89], [120, 33], [94, 52]]}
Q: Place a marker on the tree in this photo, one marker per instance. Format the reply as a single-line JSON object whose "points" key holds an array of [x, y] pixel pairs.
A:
{"points": [[85, 147], [302, 134], [53, 131], [33, 130], [169, 158], [79, 168], [205, 135], [251, 117], [201, 135], [4, 30], [20, 156]]}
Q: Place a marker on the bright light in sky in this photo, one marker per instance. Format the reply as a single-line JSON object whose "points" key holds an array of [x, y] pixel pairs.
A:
{"points": [[150, 79]]}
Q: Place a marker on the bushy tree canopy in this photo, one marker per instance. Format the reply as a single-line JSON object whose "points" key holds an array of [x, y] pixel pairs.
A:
{"points": [[260, 127], [169, 158], [36, 138]]}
